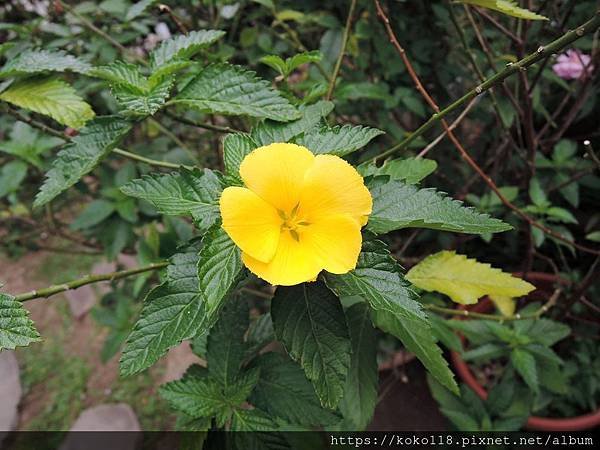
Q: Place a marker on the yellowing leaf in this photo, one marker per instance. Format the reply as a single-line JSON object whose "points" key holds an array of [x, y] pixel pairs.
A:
{"points": [[506, 305], [508, 7], [50, 97], [465, 280]]}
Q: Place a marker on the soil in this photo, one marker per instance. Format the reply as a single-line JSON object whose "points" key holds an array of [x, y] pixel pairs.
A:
{"points": [[405, 402]]}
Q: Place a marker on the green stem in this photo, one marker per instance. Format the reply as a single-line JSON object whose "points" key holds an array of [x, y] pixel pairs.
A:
{"points": [[466, 313], [89, 279], [164, 130], [338, 64], [35, 124], [542, 52], [207, 126], [152, 162]]}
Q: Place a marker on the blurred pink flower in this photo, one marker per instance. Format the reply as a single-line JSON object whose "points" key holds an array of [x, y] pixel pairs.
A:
{"points": [[573, 65]]}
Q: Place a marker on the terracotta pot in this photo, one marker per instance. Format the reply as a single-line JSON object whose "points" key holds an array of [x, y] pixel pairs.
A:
{"points": [[584, 422]]}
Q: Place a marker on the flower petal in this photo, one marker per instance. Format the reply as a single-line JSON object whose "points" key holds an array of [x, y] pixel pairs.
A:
{"points": [[275, 172], [332, 187], [336, 241], [293, 263], [253, 224]]}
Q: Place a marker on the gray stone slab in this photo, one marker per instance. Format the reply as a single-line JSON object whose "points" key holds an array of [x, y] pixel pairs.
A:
{"points": [[10, 391], [81, 300]]}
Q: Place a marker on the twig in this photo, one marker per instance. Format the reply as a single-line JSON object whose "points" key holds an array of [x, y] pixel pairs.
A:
{"points": [[152, 162], [589, 150], [174, 138], [512, 68], [338, 63], [466, 313], [174, 17], [586, 28], [89, 279], [452, 126], [498, 25], [36, 124], [208, 126]]}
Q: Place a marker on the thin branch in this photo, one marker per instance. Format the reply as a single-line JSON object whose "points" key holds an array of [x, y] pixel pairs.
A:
{"points": [[152, 162], [174, 17], [553, 47], [586, 28], [208, 126], [466, 313], [89, 279], [338, 64], [589, 150], [516, 39], [164, 130], [36, 124]]}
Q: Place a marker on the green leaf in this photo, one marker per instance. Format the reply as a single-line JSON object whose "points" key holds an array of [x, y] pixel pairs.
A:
{"points": [[199, 395], [275, 62], [28, 144], [172, 312], [12, 175], [524, 364], [226, 347], [537, 193], [397, 205], [35, 61], [465, 280], [183, 46], [134, 92], [302, 58], [548, 332], [219, 268], [137, 9], [309, 321], [360, 393], [194, 192], [93, 214], [232, 90], [51, 97], [340, 141], [88, 148], [236, 147], [452, 406], [284, 392], [409, 170], [16, 328], [378, 280], [508, 7], [485, 352], [185, 305], [269, 131]]}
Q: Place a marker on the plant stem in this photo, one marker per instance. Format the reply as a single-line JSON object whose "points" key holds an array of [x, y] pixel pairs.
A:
{"points": [[542, 52], [174, 138], [208, 126], [466, 313], [152, 162], [89, 279], [36, 124], [338, 64]]}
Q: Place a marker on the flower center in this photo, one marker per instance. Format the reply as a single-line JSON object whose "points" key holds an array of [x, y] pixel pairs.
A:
{"points": [[292, 223]]}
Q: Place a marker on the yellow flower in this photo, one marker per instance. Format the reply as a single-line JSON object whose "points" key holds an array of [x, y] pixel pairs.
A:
{"points": [[298, 214]]}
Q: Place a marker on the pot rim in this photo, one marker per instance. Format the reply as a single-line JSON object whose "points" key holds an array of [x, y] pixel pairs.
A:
{"points": [[582, 422]]}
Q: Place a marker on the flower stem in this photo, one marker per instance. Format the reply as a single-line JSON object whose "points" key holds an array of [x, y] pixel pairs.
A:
{"points": [[338, 63]]}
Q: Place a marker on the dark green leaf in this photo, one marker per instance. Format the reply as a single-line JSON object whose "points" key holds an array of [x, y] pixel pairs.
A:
{"points": [[309, 320], [16, 328], [34, 61], [524, 364], [184, 46], [93, 214], [378, 280], [340, 141], [409, 170]]}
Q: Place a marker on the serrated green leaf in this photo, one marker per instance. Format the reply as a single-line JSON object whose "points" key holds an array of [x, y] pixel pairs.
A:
{"points": [[236, 147], [269, 131], [94, 142], [138, 9], [548, 332], [508, 7], [219, 267], [298, 59], [199, 395], [225, 346], [464, 280], [186, 304], [51, 97], [183, 46], [28, 144], [232, 90], [340, 141], [275, 62], [409, 170], [195, 192], [452, 406], [309, 321], [284, 392], [397, 205], [378, 280], [524, 364], [16, 328], [35, 61], [360, 392], [134, 92], [12, 175]]}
